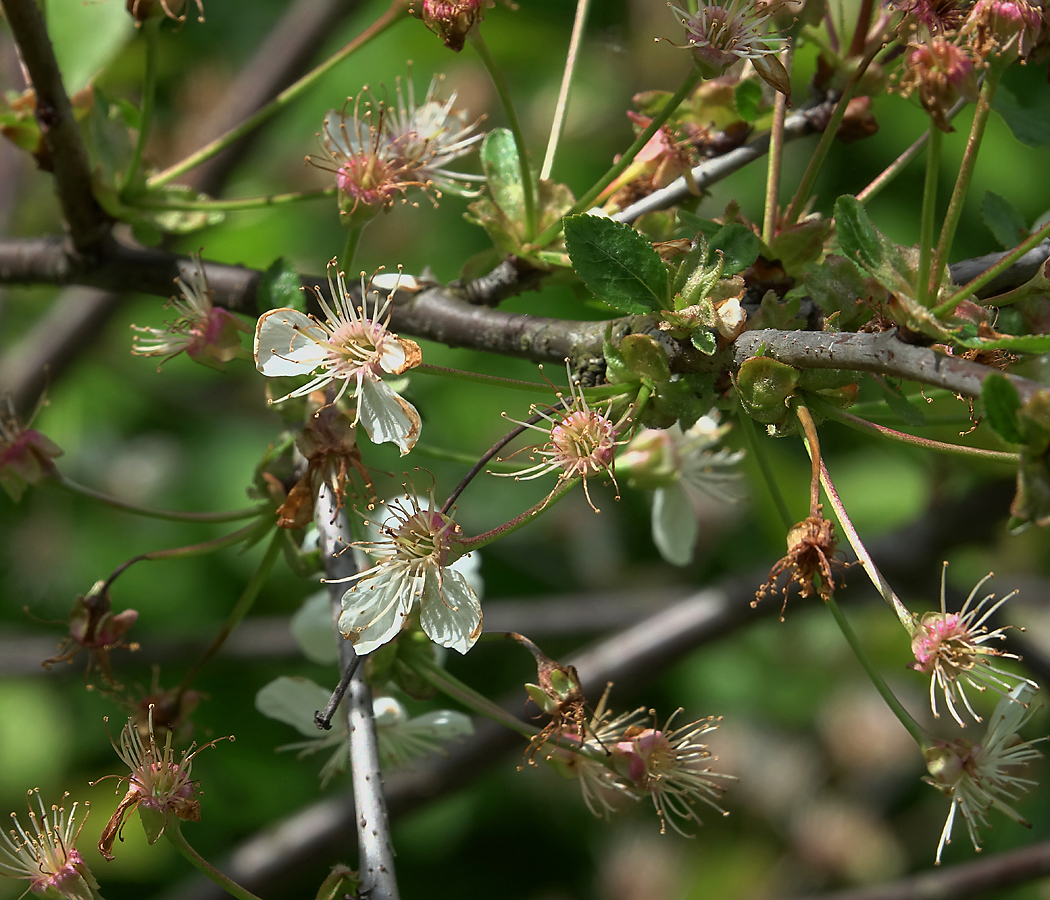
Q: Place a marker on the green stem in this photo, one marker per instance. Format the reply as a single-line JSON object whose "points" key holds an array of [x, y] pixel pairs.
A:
{"points": [[776, 153], [455, 456], [833, 412], [394, 12], [582, 8], [560, 490], [174, 834], [992, 272], [758, 453], [903, 716], [809, 179], [528, 187], [169, 515], [353, 238], [451, 686], [233, 204], [929, 213], [585, 202], [151, 35], [240, 608], [966, 167], [477, 378]]}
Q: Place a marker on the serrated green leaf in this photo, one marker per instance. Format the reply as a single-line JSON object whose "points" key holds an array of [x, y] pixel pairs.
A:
{"points": [[1004, 221], [499, 162], [857, 236], [1030, 124], [748, 98], [617, 264], [692, 224], [1001, 403], [279, 287], [704, 340], [740, 247]]}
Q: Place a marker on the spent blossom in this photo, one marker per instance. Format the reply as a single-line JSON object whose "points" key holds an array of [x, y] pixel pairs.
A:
{"points": [[26, 456], [45, 853], [159, 787], [1007, 28], [452, 20], [951, 649], [380, 152], [722, 34], [581, 443], [681, 465], [975, 777], [940, 73], [350, 346], [206, 334], [413, 570]]}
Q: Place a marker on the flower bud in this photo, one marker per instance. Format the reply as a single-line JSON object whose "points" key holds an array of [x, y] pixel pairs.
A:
{"points": [[452, 19]]}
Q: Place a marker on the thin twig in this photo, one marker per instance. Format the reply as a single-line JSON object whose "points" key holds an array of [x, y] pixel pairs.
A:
{"points": [[375, 849]]}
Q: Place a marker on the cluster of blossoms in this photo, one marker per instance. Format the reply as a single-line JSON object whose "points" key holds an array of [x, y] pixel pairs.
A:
{"points": [[975, 777], [413, 571], [952, 648], [629, 757], [351, 347], [159, 787], [45, 853], [722, 34], [402, 739], [581, 443], [205, 333], [680, 466], [379, 152]]}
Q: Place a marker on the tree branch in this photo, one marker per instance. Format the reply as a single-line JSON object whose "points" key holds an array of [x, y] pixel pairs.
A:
{"points": [[88, 224]]}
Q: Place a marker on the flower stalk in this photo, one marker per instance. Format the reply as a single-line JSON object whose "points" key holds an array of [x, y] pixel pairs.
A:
{"points": [[151, 35], [174, 834], [928, 215], [558, 124]]}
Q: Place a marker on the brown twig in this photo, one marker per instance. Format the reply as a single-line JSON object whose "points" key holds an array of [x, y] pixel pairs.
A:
{"points": [[88, 224]]}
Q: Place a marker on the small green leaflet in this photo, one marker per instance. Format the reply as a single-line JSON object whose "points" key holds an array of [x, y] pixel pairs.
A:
{"points": [[617, 264], [1001, 404]]}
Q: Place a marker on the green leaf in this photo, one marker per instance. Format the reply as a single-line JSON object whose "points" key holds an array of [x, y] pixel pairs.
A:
{"points": [[279, 288], [293, 700], [900, 405], [1006, 224], [1030, 124], [499, 162], [704, 340], [617, 264], [645, 357], [740, 247], [1001, 403], [748, 98], [858, 238], [692, 224], [86, 37]]}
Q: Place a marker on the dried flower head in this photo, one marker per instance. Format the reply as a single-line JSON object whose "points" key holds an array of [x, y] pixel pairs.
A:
{"points": [[671, 766], [1007, 28], [581, 441], [452, 20], [811, 553], [380, 152], [26, 456], [951, 649], [158, 786], [45, 853], [940, 72], [94, 627], [413, 570], [934, 17], [723, 34], [206, 334], [350, 346], [141, 10], [975, 777]]}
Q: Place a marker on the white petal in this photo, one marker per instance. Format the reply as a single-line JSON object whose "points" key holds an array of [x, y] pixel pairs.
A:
{"points": [[396, 281], [443, 724], [287, 342], [294, 702], [451, 615], [375, 608], [312, 629], [674, 525], [469, 566], [386, 416]]}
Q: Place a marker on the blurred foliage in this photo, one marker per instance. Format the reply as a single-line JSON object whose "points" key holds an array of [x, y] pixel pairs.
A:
{"points": [[829, 793]]}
